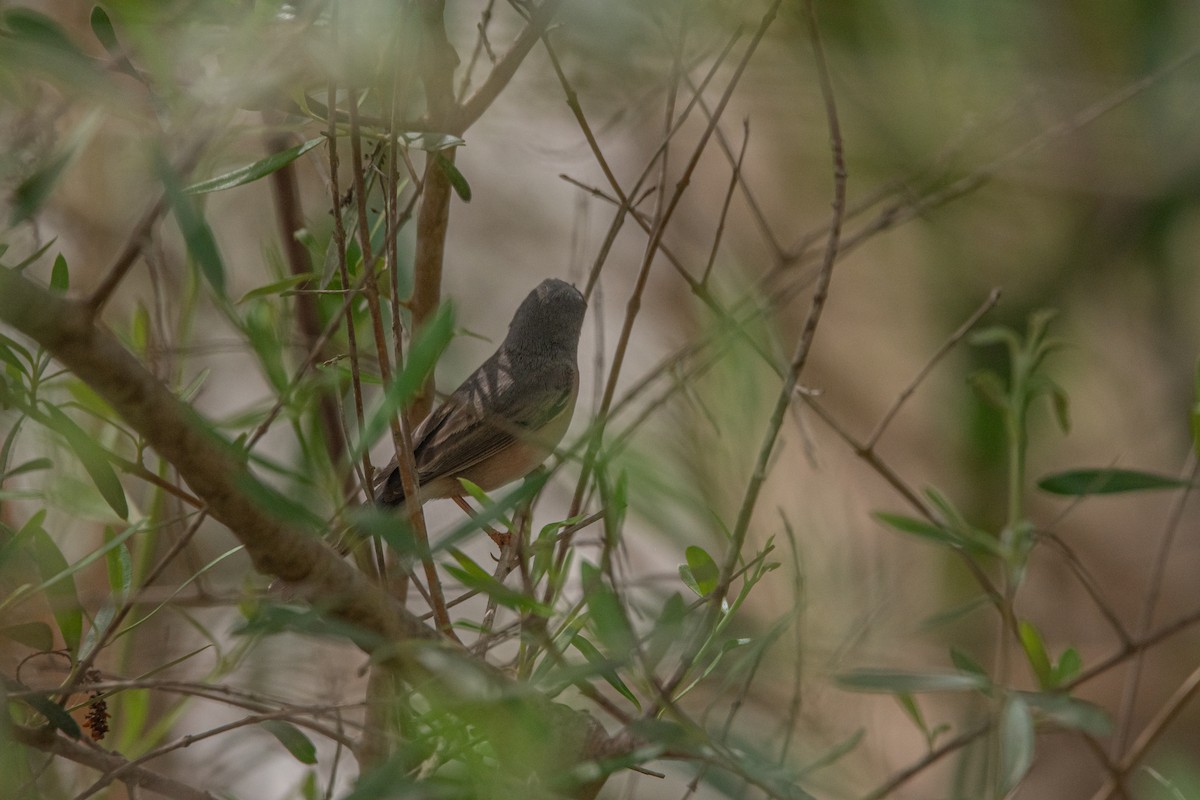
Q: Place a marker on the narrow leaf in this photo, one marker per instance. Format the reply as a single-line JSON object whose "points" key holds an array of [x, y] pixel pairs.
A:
{"points": [[93, 457], [475, 577], [60, 276], [1069, 665], [292, 738], [1035, 651], [54, 714], [277, 287], [34, 635], [457, 181], [33, 465], [102, 28], [1071, 712], [609, 621], [1016, 742], [252, 172], [607, 670], [896, 682], [917, 527], [58, 583], [201, 243], [1082, 482], [703, 569], [33, 192], [427, 346]]}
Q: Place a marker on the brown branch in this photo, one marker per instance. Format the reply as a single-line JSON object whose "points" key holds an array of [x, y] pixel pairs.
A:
{"points": [[217, 473], [633, 305], [1165, 716], [213, 469], [787, 391], [502, 73], [286, 195], [433, 220], [137, 239], [1150, 606], [109, 763], [987, 305]]}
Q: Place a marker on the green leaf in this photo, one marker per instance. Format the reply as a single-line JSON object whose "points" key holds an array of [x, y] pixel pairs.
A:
{"points": [[909, 705], [54, 714], [393, 528], [543, 547], [608, 619], [988, 386], [33, 465], [252, 172], [277, 504], [1082, 482], [834, 754], [1035, 651], [25, 23], [474, 576], [703, 569], [93, 457], [60, 276], [104, 32], [120, 567], [263, 335], [897, 682], [277, 287], [34, 256], [292, 738], [1196, 428], [955, 613], [431, 142], [606, 666], [1068, 666], [667, 630], [967, 664], [201, 243], [996, 334], [33, 192], [273, 619], [58, 581], [1017, 739], [34, 635], [457, 181], [1071, 712], [427, 346], [1062, 407], [918, 527]]}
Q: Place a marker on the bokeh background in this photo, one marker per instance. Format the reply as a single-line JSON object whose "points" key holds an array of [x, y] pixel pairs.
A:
{"points": [[1049, 150]]}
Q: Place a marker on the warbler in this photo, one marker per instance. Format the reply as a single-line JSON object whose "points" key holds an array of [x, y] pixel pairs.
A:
{"points": [[508, 416]]}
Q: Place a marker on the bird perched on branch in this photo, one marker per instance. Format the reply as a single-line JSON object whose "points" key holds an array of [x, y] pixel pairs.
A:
{"points": [[508, 416]]}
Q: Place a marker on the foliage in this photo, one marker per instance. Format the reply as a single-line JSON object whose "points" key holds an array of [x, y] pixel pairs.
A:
{"points": [[654, 608]]}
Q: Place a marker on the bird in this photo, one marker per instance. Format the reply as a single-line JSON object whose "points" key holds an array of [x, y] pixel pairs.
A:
{"points": [[508, 416]]}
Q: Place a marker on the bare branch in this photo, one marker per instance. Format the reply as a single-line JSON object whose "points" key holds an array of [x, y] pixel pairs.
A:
{"points": [[108, 763]]}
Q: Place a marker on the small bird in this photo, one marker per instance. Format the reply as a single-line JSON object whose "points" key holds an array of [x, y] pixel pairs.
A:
{"points": [[508, 416]]}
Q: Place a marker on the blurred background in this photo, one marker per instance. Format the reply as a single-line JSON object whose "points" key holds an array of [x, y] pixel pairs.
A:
{"points": [[1048, 150]]}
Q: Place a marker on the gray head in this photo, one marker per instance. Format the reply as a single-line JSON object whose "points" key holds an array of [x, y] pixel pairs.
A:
{"points": [[549, 319]]}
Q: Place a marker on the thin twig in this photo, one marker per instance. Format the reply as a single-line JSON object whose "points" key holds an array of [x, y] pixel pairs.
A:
{"points": [[987, 305], [929, 759], [633, 305], [138, 237], [735, 178], [785, 397], [1157, 574], [98, 759], [1150, 734]]}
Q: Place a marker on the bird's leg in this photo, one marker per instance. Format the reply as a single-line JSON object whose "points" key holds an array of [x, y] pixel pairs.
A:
{"points": [[501, 539]]}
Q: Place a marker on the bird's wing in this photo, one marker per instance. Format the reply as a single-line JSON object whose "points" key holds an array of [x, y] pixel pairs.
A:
{"points": [[488, 413]]}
